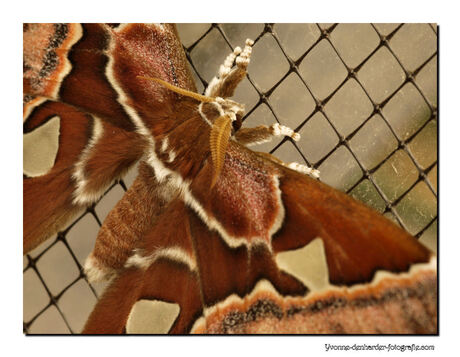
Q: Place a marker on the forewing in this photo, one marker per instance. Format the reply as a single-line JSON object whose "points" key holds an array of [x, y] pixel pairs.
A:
{"points": [[80, 87]]}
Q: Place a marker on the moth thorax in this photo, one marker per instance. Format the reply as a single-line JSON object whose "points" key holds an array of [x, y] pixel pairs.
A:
{"points": [[223, 107]]}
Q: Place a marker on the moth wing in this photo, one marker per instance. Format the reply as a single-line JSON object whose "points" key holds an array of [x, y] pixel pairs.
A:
{"points": [[156, 288], [138, 301], [185, 269], [164, 258], [124, 229], [286, 221], [257, 200], [70, 159], [76, 77], [95, 67], [358, 241]]}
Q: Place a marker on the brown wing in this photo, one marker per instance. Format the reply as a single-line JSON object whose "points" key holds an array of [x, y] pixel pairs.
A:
{"points": [[91, 154], [361, 273], [162, 269], [72, 78], [373, 277], [358, 241], [371, 269]]}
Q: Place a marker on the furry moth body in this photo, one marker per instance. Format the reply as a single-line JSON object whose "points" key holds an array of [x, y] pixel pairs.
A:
{"points": [[202, 236]]}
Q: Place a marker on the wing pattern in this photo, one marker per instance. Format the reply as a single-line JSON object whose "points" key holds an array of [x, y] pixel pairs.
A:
{"points": [[184, 253]]}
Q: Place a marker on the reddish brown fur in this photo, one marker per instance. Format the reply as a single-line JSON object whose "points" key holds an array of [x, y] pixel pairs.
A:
{"points": [[253, 135], [231, 200], [112, 156], [173, 219], [142, 50], [189, 140], [217, 281], [129, 221]]}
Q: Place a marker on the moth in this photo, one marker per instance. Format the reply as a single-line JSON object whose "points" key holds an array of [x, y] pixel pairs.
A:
{"points": [[212, 237]]}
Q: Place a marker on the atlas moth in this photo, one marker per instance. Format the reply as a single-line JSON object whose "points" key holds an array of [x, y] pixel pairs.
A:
{"points": [[212, 237]]}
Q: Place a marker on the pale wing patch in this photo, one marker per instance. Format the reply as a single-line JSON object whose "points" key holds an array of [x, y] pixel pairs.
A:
{"points": [[41, 147], [152, 317], [308, 264]]}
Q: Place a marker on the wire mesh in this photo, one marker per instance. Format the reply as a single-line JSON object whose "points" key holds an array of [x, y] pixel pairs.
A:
{"points": [[364, 99]]}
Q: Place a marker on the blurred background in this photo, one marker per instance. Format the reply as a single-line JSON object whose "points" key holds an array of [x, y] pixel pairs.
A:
{"points": [[362, 96]]}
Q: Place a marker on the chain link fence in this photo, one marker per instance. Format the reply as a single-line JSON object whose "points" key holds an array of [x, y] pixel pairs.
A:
{"points": [[364, 99]]}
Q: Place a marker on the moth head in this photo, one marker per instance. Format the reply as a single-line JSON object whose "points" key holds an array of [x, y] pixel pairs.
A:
{"points": [[219, 107], [210, 108], [222, 114]]}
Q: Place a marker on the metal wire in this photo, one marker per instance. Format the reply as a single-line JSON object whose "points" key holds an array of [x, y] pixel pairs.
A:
{"points": [[50, 308]]}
